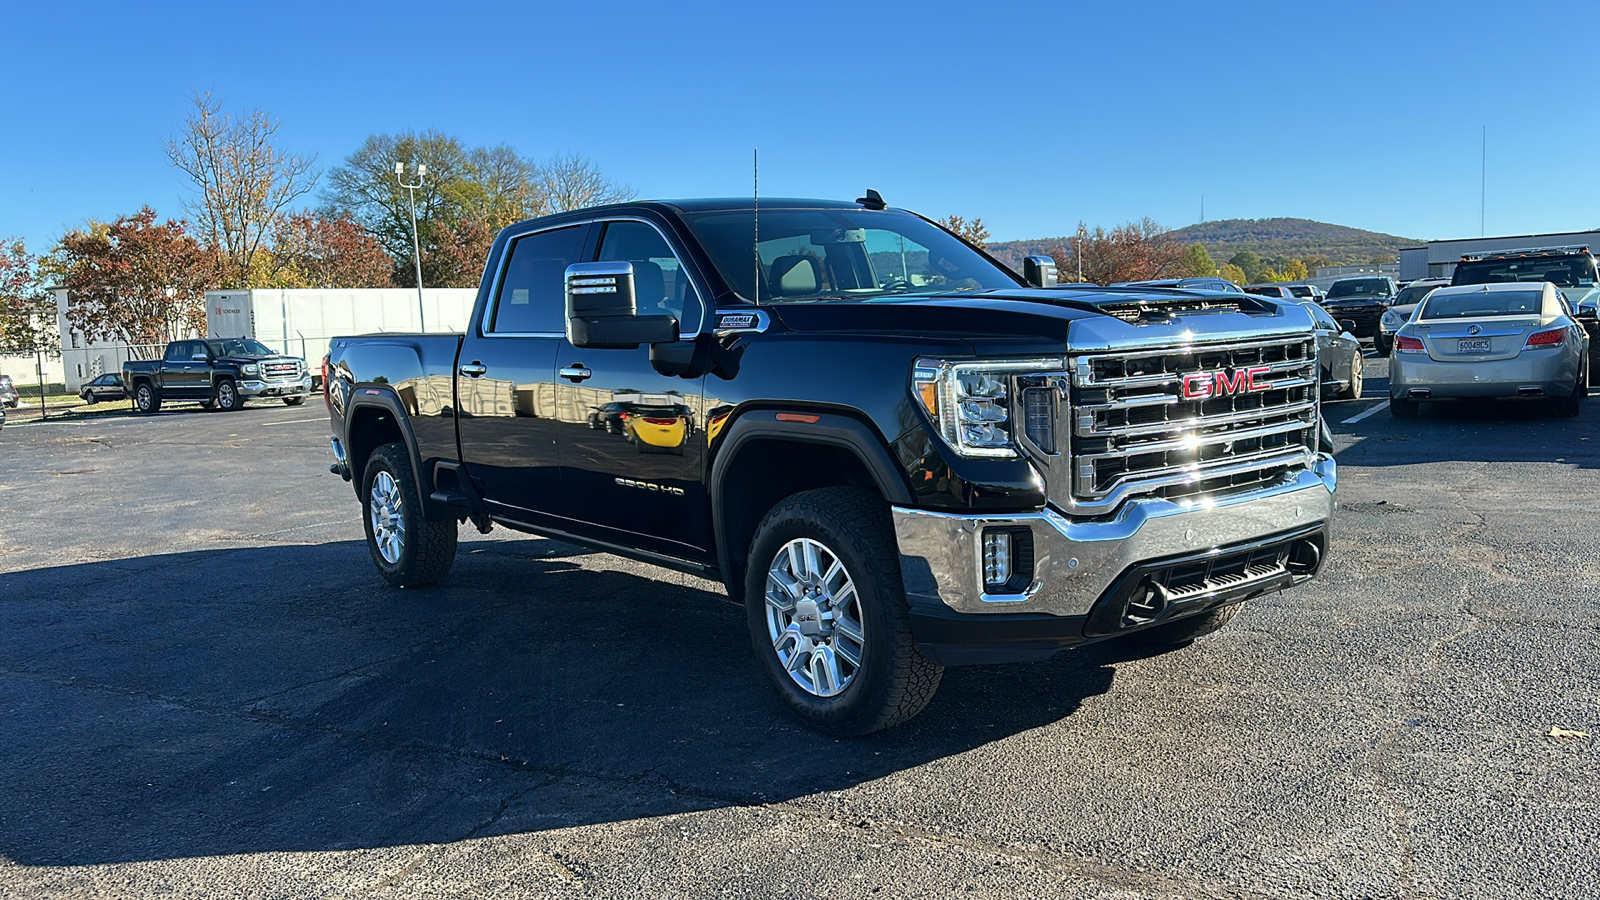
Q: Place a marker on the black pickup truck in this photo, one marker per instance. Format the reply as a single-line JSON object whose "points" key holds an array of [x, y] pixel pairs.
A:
{"points": [[218, 373], [895, 452]]}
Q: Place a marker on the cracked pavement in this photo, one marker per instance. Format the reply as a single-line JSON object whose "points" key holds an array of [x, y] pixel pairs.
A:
{"points": [[207, 691]]}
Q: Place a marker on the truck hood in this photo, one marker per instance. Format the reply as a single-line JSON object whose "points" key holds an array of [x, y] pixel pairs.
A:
{"points": [[1050, 321], [241, 360], [1342, 302]]}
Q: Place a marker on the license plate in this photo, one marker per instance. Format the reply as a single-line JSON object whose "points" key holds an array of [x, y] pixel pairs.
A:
{"points": [[1474, 345]]}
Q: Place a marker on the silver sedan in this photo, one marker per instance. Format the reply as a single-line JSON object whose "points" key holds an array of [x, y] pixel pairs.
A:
{"points": [[1490, 340]]}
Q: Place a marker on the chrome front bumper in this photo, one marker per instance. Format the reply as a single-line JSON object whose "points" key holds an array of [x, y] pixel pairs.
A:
{"points": [[1075, 562], [253, 388]]}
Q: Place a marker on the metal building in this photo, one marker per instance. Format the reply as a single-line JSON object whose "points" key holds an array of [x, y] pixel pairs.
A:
{"points": [[1437, 259]]}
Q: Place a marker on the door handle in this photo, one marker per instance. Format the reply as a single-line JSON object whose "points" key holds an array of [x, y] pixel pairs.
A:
{"points": [[575, 373], [474, 369]]}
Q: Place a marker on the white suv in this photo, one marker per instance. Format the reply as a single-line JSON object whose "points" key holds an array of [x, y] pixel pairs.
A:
{"points": [[1400, 311]]}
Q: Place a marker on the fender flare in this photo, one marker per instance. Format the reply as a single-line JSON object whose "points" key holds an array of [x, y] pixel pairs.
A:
{"points": [[830, 429], [380, 397]]}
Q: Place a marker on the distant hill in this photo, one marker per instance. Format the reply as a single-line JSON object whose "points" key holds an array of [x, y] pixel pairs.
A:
{"points": [[1268, 238]]}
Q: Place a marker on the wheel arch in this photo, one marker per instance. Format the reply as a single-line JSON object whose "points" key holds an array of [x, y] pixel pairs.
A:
{"points": [[372, 421], [763, 459]]}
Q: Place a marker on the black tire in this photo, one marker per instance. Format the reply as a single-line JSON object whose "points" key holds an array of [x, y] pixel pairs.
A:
{"points": [[1402, 409], [1181, 632], [208, 404], [146, 399], [427, 549], [90, 398], [226, 396], [293, 401], [1569, 407], [893, 682]]}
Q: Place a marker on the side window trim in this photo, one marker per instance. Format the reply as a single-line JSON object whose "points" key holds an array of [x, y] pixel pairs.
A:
{"points": [[683, 333], [483, 324]]}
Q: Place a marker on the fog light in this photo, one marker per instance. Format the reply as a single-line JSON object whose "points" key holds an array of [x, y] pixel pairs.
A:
{"points": [[996, 557]]}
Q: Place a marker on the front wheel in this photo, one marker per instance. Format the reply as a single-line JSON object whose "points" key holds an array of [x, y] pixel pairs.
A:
{"points": [[89, 398], [227, 396], [1382, 344], [828, 617], [408, 550], [145, 399], [1357, 378]]}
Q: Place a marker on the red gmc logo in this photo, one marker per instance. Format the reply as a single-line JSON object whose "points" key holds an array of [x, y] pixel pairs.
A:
{"points": [[1204, 385]]}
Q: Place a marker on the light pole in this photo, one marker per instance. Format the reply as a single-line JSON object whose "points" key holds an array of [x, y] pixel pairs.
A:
{"points": [[416, 243]]}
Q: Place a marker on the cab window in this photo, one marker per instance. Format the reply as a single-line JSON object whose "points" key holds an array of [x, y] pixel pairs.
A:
{"points": [[531, 298], [659, 283]]}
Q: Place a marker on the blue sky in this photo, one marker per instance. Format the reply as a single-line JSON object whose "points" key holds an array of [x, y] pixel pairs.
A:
{"points": [[1032, 116]]}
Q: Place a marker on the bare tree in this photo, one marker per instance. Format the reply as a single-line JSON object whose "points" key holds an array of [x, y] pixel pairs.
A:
{"points": [[570, 181], [243, 182]]}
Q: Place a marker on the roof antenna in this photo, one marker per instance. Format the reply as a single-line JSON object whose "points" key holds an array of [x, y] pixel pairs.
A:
{"points": [[872, 200], [755, 207]]}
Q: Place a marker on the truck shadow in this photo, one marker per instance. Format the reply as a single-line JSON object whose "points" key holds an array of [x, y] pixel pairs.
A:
{"points": [[282, 699]]}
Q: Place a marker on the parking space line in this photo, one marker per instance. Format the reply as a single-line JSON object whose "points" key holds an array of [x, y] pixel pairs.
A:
{"points": [[1354, 419], [295, 421]]}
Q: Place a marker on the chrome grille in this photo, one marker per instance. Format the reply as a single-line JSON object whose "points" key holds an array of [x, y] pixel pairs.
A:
{"points": [[1135, 433], [282, 370]]}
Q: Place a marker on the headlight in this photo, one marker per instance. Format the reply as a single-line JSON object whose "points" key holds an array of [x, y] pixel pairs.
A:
{"points": [[249, 368], [1391, 320], [971, 402]]}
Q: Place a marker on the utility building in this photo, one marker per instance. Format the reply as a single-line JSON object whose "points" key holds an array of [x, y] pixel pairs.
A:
{"points": [[1437, 259]]}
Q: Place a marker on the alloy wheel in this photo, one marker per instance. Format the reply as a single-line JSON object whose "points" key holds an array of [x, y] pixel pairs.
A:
{"points": [[388, 522], [814, 617]]}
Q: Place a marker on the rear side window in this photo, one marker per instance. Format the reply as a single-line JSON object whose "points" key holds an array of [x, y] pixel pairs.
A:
{"points": [[532, 294]]}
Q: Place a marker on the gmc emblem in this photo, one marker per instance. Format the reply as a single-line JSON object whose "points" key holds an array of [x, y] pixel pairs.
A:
{"points": [[1225, 383]]}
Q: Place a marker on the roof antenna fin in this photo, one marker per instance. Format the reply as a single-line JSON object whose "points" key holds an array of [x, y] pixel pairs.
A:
{"points": [[872, 200]]}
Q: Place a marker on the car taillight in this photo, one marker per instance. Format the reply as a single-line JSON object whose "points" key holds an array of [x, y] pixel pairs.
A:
{"points": [[1409, 344], [654, 421], [1547, 338]]}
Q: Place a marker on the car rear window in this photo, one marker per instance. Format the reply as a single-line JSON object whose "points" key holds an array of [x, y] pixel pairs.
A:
{"points": [[1359, 287], [1473, 304]]}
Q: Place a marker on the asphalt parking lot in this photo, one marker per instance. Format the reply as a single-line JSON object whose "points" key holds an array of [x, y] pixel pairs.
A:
{"points": [[207, 691]]}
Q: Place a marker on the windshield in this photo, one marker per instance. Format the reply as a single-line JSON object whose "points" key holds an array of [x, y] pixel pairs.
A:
{"points": [[818, 254], [1473, 304], [238, 347], [1300, 290], [1359, 287], [1413, 293], [1577, 270]]}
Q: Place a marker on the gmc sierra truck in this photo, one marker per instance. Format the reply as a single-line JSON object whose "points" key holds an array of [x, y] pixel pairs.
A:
{"points": [[897, 454], [218, 373]]}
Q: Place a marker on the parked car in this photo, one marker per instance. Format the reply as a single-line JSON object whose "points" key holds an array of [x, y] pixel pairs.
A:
{"points": [[106, 387], [1306, 292], [1400, 310], [1339, 352], [220, 374], [910, 461], [1361, 301], [1275, 291], [8, 392], [1570, 269], [1201, 283], [1490, 340], [2, 415]]}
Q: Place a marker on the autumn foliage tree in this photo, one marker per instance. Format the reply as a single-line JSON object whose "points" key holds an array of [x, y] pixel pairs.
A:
{"points": [[244, 184], [1136, 251], [136, 280], [972, 232], [311, 250], [27, 310]]}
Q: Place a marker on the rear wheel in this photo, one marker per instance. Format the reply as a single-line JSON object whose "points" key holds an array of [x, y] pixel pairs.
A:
{"points": [[828, 615], [408, 550], [1402, 409], [145, 398], [1176, 634], [1567, 407]]}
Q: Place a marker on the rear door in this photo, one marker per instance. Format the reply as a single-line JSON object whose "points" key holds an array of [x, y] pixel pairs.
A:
{"points": [[186, 371], [505, 398], [640, 482]]}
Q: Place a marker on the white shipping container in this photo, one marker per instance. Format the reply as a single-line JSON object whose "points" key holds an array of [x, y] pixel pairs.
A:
{"points": [[300, 322]]}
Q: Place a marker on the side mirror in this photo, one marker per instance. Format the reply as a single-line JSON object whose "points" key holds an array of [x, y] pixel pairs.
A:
{"points": [[1039, 271], [602, 311], [1588, 315], [1348, 325]]}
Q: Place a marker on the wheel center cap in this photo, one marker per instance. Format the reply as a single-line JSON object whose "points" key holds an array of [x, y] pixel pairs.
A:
{"points": [[809, 614]]}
